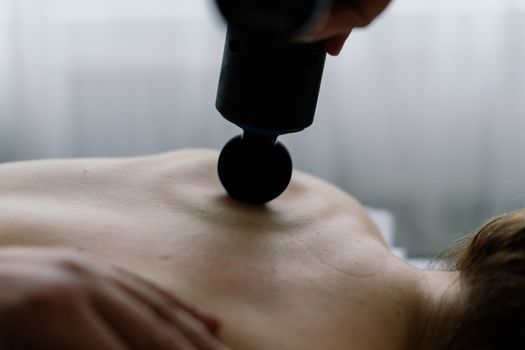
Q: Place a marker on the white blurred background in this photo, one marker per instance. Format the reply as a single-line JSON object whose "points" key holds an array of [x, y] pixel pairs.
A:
{"points": [[423, 113]]}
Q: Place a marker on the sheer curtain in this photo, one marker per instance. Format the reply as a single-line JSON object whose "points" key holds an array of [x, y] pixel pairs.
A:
{"points": [[422, 114]]}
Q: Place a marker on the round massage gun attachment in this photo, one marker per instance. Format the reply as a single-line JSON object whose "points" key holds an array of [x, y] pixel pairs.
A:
{"points": [[255, 168]]}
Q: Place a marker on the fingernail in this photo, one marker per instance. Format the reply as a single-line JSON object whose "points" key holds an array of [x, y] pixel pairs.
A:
{"points": [[212, 322]]}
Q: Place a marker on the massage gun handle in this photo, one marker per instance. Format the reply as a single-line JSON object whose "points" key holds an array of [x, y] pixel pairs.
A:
{"points": [[284, 18], [269, 84]]}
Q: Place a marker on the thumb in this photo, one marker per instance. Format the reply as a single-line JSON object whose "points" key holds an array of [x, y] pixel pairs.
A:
{"points": [[335, 45]]}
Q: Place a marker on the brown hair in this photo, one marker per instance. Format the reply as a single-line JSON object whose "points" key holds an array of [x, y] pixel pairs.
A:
{"points": [[492, 270]]}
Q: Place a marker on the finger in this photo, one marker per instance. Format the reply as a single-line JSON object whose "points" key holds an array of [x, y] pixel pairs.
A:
{"points": [[334, 45], [192, 326], [347, 15], [80, 330], [342, 19], [136, 324], [195, 331], [94, 335], [163, 302]]}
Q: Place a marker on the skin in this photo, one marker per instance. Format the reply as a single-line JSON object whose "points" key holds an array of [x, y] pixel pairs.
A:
{"points": [[342, 19], [60, 299], [308, 271]]}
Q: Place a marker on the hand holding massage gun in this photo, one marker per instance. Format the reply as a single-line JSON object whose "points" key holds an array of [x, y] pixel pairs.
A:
{"points": [[269, 86]]}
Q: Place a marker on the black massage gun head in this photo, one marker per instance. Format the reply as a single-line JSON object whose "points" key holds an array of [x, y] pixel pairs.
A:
{"points": [[255, 168]]}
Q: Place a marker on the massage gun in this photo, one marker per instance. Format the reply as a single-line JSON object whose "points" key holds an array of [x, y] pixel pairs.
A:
{"points": [[269, 86]]}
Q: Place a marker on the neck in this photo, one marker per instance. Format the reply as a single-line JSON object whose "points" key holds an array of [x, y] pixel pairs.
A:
{"points": [[437, 308]]}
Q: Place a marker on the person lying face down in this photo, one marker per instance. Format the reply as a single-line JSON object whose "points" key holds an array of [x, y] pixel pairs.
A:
{"points": [[307, 271]]}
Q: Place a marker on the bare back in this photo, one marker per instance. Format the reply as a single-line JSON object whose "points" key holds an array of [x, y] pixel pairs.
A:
{"points": [[308, 271]]}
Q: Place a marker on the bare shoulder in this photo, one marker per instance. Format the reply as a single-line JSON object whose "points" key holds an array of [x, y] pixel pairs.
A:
{"points": [[308, 198], [182, 180], [188, 167], [54, 174]]}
